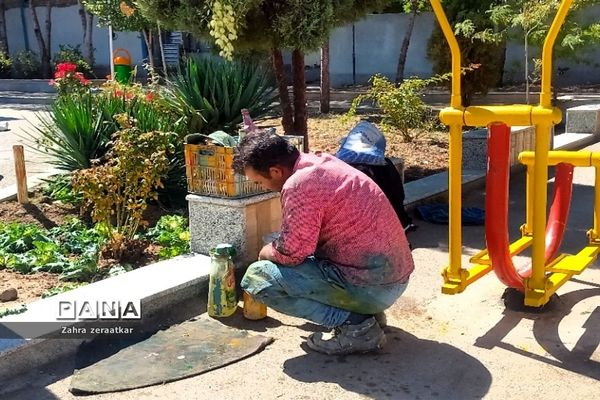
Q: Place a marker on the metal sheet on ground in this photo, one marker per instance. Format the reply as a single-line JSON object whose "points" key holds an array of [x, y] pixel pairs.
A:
{"points": [[181, 351]]}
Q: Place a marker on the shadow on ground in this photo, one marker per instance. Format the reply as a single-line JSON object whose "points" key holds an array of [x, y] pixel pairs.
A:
{"points": [[546, 333], [408, 367]]}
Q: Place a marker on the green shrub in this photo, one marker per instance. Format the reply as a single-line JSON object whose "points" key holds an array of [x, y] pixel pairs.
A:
{"points": [[5, 65], [59, 188], [210, 93], [401, 105], [72, 54], [27, 64], [118, 190], [73, 134]]}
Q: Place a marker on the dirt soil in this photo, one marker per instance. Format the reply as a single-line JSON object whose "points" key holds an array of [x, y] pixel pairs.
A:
{"points": [[426, 155], [43, 212]]}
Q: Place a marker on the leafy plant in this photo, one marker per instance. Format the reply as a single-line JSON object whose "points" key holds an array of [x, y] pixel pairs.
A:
{"points": [[27, 64], [5, 65], [68, 82], [13, 311], [65, 287], [59, 188], [211, 93], [172, 233], [402, 105], [73, 134], [70, 249], [118, 190], [72, 54]]}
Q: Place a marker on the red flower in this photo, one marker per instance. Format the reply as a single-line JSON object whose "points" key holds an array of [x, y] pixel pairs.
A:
{"points": [[118, 93], [129, 95], [150, 96], [59, 74], [66, 67]]}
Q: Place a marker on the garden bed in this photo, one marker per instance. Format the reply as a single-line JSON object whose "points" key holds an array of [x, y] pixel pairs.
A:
{"points": [[46, 217]]}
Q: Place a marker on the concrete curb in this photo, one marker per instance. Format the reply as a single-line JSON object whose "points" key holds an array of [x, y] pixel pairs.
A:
{"points": [[33, 181], [170, 291]]}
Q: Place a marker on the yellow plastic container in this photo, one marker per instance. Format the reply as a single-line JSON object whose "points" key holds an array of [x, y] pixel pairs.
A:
{"points": [[253, 309]]}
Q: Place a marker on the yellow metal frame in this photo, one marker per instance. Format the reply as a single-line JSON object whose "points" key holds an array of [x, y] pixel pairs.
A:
{"points": [[544, 280]]}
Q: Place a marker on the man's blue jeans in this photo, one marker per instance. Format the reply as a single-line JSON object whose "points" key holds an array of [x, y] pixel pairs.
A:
{"points": [[316, 290]]}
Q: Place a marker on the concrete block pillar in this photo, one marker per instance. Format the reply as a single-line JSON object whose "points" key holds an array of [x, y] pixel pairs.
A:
{"points": [[584, 119], [240, 222]]}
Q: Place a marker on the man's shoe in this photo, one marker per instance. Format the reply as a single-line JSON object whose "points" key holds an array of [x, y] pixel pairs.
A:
{"points": [[346, 339], [381, 319]]}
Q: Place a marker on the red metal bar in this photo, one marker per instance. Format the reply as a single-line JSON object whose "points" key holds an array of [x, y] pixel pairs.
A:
{"points": [[496, 208], [496, 205]]}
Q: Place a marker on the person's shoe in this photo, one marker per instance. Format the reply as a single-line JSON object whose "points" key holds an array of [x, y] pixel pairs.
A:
{"points": [[381, 319], [346, 339]]}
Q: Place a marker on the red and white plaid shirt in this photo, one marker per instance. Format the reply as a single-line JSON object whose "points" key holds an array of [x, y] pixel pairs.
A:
{"points": [[335, 212]]}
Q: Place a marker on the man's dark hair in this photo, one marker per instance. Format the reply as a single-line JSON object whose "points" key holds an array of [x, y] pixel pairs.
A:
{"points": [[261, 151]]}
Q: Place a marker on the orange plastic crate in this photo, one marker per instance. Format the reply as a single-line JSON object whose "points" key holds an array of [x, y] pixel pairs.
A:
{"points": [[210, 172]]}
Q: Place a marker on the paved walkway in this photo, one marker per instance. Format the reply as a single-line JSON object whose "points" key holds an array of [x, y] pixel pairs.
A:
{"points": [[21, 120], [468, 346]]}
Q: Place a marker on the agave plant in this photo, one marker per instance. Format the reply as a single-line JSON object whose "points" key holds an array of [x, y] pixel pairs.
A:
{"points": [[73, 133], [210, 93]]}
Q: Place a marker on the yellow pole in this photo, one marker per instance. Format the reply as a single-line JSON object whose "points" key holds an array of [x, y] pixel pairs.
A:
{"points": [[455, 198], [595, 229], [540, 186], [453, 271], [537, 281], [546, 94], [527, 229], [455, 98]]}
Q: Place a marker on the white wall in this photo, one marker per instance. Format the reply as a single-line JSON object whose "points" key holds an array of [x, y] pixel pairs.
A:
{"points": [[377, 42], [67, 30]]}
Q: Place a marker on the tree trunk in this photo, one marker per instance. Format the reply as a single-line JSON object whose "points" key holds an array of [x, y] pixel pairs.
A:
{"points": [[89, 42], [45, 57], [87, 25], [325, 86], [287, 118], [406, 43], [3, 37], [47, 66], [148, 39], [162, 50], [299, 86]]}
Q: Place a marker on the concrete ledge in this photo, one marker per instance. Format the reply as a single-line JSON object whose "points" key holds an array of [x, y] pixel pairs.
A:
{"points": [[435, 187], [573, 141], [33, 181], [159, 287]]}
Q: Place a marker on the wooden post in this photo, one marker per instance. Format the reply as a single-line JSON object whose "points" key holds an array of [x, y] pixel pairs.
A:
{"points": [[22, 195]]}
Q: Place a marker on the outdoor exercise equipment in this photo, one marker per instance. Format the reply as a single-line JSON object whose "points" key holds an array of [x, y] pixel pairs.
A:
{"points": [[547, 271]]}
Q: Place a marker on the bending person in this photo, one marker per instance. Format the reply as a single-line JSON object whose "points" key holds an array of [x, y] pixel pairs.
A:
{"points": [[342, 257]]}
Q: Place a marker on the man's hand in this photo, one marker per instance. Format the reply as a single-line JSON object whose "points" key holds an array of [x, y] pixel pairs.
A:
{"points": [[266, 253]]}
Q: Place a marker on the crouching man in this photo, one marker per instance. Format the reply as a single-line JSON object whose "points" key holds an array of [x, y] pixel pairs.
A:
{"points": [[341, 258]]}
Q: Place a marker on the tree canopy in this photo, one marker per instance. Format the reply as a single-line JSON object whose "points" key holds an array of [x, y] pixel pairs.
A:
{"points": [[121, 14], [259, 24]]}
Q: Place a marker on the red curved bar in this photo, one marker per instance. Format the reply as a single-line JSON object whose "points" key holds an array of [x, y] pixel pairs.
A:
{"points": [[496, 205], [559, 211], [496, 208]]}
